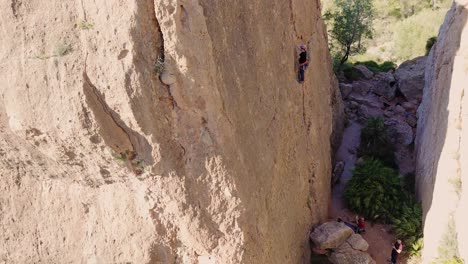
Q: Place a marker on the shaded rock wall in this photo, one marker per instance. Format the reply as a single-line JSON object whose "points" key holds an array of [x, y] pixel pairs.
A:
{"points": [[441, 143], [101, 162]]}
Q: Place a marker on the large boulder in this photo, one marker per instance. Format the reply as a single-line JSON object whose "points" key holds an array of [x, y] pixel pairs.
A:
{"points": [[330, 235], [384, 85], [403, 129], [362, 87], [357, 242], [345, 254], [364, 71], [371, 101], [410, 78]]}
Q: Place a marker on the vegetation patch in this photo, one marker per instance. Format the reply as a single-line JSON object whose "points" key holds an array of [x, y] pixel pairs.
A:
{"points": [[159, 66], [131, 160], [63, 49], [378, 67], [376, 142], [408, 226], [349, 71], [429, 43], [85, 25], [374, 190], [448, 249]]}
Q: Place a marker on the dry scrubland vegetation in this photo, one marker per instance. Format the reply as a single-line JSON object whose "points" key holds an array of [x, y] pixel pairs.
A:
{"points": [[401, 28]]}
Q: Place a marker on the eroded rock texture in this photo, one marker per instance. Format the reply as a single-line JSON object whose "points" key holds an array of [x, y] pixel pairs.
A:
{"points": [[102, 162], [442, 142]]}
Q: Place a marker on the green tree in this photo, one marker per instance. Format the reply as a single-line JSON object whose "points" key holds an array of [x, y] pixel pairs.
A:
{"points": [[351, 23]]}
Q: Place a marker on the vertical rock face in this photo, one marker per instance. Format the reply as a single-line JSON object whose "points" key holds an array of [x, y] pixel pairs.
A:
{"points": [[442, 141], [102, 162]]}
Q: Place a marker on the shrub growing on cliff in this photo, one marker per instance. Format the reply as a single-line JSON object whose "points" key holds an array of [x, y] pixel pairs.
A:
{"points": [[85, 25], [62, 49], [448, 248], [376, 142], [159, 66], [408, 226], [374, 190], [429, 43]]}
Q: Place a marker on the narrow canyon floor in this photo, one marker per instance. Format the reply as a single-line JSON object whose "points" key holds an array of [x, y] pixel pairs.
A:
{"points": [[378, 236]]}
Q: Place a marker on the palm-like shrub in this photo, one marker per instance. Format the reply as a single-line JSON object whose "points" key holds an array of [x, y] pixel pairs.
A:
{"points": [[376, 142], [408, 226], [374, 190]]}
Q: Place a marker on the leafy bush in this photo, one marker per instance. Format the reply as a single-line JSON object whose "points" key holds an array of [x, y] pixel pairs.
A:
{"points": [[409, 182], [408, 226], [376, 67], [350, 72], [374, 190], [429, 43], [375, 142]]}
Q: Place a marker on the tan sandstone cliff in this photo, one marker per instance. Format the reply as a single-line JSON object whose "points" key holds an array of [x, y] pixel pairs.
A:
{"points": [[101, 162], [442, 142]]}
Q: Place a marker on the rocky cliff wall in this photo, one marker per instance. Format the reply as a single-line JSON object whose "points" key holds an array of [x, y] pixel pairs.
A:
{"points": [[442, 142], [102, 162]]}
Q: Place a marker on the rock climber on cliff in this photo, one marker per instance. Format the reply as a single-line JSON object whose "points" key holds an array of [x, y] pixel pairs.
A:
{"points": [[303, 63]]}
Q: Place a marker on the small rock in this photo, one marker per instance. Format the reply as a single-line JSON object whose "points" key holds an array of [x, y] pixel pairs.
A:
{"points": [[364, 111], [330, 235], [357, 242], [408, 106], [353, 105], [167, 78], [388, 113], [361, 87], [345, 89], [337, 171], [360, 161], [399, 109], [411, 120], [364, 71], [385, 101]]}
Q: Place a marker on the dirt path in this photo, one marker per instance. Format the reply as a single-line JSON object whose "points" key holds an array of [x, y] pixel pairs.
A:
{"points": [[380, 241]]}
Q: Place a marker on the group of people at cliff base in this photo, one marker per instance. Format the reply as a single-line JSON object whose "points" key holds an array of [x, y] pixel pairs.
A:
{"points": [[359, 227]]}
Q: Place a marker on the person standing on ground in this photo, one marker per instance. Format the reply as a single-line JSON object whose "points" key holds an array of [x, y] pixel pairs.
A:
{"points": [[396, 250], [361, 224], [303, 62]]}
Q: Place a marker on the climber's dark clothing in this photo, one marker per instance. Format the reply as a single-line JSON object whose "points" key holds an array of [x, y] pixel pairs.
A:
{"points": [[303, 57], [302, 64]]}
